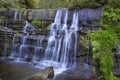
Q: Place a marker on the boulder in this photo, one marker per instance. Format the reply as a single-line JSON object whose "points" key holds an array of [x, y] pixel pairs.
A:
{"points": [[44, 74]]}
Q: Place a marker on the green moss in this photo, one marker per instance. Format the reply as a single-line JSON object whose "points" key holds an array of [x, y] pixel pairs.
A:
{"points": [[48, 4], [17, 34], [2, 21], [36, 23]]}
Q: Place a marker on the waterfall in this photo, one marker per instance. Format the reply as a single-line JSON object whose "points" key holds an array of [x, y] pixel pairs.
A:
{"points": [[14, 48], [20, 45], [5, 41], [62, 43], [17, 15], [60, 51], [38, 49], [20, 15], [118, 44], [52, 41]]}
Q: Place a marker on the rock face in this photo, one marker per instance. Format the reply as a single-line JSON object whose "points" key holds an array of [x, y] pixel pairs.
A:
{"points": [[82, 72], [116, 71], [87, 18], [49, 14], [44, 74]]}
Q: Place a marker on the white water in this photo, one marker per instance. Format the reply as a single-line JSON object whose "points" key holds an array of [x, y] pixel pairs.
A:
{"points": [[118, 44], [17, 15], [6, 41], [20, 16], [38, 49], [61, 48], [13, 48]]}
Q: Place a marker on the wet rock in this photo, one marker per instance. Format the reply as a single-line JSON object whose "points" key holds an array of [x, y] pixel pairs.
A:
{"points": [[28, 59], [10, 59], [116, 72], [44, 74], [49, 14], [83, 72]]}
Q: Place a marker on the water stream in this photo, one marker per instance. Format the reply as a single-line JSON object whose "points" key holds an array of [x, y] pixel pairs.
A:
{"points": [[17, 15], [62, 43], [6, 41], [118, 44], [61, 48]]}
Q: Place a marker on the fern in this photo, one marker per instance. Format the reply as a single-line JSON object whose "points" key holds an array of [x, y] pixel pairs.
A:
{"points": [[103, 41]]}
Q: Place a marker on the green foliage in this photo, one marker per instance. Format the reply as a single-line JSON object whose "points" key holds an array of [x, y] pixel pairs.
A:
{"points": [[36, 23], [2, 21], [84, 39], [117, 30], [75, 3], [111, 15], [39, 24], [17, 34], [103, 41], [8, 4], [106, 66], [16, 4], [29, 4], [45, 4], [114, 3]]}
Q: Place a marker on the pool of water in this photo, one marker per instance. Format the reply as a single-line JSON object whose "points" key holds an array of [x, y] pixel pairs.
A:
{"points": [[10, 70]]}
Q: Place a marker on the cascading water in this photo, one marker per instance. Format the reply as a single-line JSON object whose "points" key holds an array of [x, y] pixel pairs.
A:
{"points": [[118, 44], [38, 49], [61, 48], [17, 15], [20, 48], [20, 16], [6, 42], [21, 51], [14, 48], [62, 43]]}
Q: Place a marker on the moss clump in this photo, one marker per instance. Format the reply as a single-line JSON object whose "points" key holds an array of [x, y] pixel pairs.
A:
{"points": [[103, 41]]}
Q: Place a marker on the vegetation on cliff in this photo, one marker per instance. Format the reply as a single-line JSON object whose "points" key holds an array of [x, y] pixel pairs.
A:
{"points": [[103, 40]]}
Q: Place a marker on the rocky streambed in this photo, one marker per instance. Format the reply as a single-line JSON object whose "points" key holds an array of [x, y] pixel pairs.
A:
{"points": [[23, 71]]}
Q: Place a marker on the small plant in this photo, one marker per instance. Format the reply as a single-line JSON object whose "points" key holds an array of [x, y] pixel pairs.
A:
{"points": [[36, 23], [17, 34], [103, 41]]}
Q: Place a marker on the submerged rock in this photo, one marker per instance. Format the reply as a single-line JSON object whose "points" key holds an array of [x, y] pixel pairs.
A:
{"points": [[44, 74]]}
